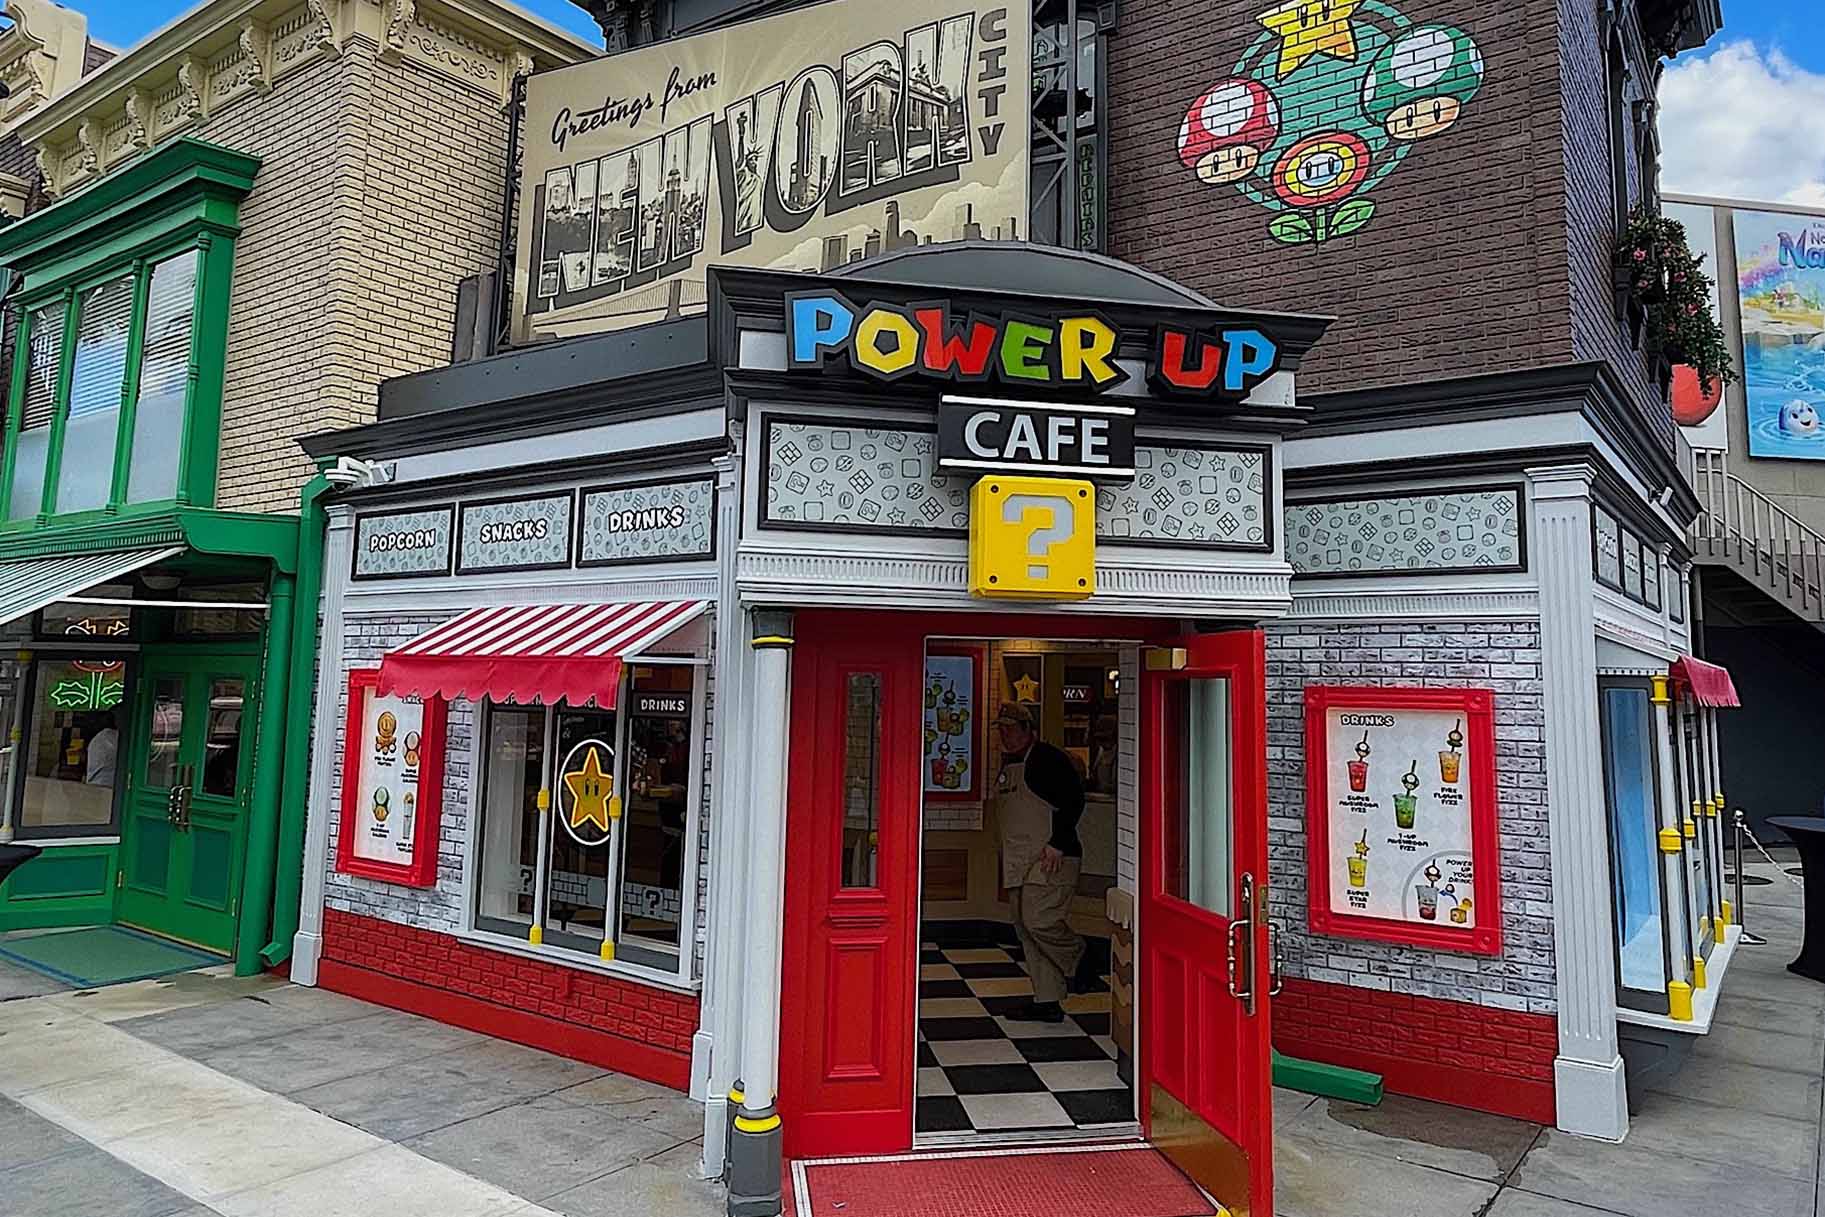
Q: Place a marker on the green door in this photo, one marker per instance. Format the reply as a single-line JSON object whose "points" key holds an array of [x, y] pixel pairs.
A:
{"points": [[184, 840]]}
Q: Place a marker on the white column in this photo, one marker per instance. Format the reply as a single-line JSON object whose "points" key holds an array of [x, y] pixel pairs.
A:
{"points": [[15, 742], [1721, 912], [307, 943], [716, 1050], [754, 1154], [1674, 916], [1588, 1074]]}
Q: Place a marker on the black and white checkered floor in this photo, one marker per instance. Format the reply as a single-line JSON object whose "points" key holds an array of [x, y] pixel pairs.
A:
{"points": [[980, 1071]]}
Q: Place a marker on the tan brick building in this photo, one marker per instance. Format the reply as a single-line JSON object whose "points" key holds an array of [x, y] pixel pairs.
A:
{"points": [[230, 234]]}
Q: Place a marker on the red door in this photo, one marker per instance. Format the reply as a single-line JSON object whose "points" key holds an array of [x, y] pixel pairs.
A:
{"points": [[852, 831], [1205, 1068]]}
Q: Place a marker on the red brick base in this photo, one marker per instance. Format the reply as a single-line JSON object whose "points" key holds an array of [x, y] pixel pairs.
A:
{"points": [[617, 1024], [1492, 1060]]}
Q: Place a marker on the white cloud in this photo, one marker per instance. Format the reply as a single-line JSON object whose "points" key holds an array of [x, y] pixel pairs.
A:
{"points": [[1743, 123]]}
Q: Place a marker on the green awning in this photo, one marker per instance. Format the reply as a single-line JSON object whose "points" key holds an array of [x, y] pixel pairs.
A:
{"points": [[29, 584]]}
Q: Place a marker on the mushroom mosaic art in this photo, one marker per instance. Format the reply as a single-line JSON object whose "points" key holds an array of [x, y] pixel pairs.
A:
{"points": [[1323, 106]]}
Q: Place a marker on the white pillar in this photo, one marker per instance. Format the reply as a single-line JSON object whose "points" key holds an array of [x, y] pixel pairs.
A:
{"points": [[15, 742], [716, 1050], [1588, 1074], [754, 1152], [1681, 948], [307, 943], [1721, 912]]}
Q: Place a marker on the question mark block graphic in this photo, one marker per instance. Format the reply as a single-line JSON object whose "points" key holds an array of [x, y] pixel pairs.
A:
{"points": [[1033, 538]]}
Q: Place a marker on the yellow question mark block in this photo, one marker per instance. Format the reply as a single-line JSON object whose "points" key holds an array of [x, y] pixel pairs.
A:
{"points": [[1033, 538]]}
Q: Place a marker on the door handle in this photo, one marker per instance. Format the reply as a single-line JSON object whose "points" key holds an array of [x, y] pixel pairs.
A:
{"points": [[1242, 957], [1275, 973]]}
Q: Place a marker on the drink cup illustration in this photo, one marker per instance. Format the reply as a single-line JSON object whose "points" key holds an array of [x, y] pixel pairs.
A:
{"points": [[1359, 768], [1407, 805], [1452, 757], [1359, 862], [1428, 893]]}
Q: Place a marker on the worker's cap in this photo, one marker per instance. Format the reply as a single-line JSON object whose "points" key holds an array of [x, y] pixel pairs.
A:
{"points": [[1014, 714]]}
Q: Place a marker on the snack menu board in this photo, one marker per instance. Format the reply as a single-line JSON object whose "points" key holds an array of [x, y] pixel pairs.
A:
{"points": [[1401, 828], [392, 777]]}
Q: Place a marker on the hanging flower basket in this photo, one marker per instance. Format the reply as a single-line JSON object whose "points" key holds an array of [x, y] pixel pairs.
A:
{"points": [[1667, 281]]}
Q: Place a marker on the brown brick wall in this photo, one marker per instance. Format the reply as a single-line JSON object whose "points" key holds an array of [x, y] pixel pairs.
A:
{"points": [[1488, 249]]}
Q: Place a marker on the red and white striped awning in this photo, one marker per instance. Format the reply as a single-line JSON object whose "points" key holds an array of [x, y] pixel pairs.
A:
{"points": [[533, 652]]}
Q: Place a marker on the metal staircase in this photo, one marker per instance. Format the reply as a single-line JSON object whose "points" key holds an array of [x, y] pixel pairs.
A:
{"points": [[1744, 531]]}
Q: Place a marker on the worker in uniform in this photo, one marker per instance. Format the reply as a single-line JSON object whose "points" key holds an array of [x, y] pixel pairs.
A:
{"points": [[1039, 797]]}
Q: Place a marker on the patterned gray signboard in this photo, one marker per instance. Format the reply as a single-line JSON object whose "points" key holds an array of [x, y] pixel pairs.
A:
{"points": [[655, 522], [515, 534], [1214, 497], [846, 477], [1608, 547], [1428, 531], [401, 544]]}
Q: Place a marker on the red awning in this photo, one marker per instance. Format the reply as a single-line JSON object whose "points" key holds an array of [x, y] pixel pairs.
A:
{"points": [[533, 652], [1710, 684]]}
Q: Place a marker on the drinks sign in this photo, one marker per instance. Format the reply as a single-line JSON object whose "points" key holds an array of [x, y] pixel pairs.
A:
{"points": [[802, 141], [1401, 816]]}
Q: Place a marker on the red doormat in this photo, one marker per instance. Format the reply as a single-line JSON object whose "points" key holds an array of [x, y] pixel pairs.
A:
{"points": [[1083, 1181]]}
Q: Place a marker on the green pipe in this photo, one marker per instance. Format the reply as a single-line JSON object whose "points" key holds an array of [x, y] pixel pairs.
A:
{"points": [[263, 822], [1331, 1081], [288, 878]]}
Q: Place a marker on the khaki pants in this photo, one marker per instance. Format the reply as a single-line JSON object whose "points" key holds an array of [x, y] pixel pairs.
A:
{"points": [[1053, 949]]}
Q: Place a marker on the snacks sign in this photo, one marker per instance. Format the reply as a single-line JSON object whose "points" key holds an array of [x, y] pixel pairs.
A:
{"points": [[1401, 816], [801, 141]]}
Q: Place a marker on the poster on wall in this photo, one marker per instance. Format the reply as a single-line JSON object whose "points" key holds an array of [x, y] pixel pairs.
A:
{"points": [[1401, 816], [392, 784], [802, 141], [953, 723], [1698, 407], [1780, 279]]}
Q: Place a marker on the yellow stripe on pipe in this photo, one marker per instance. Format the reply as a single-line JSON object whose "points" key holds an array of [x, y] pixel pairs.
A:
{"points": [[749, 1124]]}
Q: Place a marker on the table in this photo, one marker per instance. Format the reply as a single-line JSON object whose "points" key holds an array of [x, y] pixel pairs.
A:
{"points": [[12, 856], [1808, 835]]}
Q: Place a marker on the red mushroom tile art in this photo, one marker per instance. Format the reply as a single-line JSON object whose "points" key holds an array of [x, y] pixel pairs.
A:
{"points": [[1323, 106]]}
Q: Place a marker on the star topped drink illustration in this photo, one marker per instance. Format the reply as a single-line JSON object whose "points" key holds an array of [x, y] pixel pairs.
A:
{"points": [[1406, 805], [1452, 758], [1359, 768], [1359, 862]]}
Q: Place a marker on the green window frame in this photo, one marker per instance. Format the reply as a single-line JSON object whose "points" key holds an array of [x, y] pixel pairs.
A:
{"points": [[135, 272]]}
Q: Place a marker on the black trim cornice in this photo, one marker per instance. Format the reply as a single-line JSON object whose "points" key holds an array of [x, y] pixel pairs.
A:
{"points": [[688, 460], [1590, 390]]}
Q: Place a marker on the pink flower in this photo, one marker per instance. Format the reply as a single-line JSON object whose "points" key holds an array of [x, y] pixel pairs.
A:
{"points": [[1691, 309], [1641, 255]]}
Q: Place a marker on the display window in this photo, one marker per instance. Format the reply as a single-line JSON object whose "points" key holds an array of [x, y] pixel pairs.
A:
{"points": [[585, 842], [1631, 793], [71, 742]]}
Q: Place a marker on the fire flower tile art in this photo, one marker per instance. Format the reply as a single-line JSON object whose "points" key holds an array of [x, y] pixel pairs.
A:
{"points": [[1323, 106]]}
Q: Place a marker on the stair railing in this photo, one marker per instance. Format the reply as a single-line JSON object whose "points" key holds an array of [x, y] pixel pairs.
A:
{"points": [[1776, 549]]}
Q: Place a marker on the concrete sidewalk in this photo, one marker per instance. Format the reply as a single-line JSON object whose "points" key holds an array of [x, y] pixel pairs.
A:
{"points": [[1735, 1131], [205, 1094]]}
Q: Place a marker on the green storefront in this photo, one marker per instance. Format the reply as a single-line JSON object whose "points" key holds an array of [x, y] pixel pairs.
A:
{"points": [[149, 637]]}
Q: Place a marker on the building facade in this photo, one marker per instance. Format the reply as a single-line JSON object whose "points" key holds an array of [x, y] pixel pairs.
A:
{"points": [[212, 220], [1414, 637]]}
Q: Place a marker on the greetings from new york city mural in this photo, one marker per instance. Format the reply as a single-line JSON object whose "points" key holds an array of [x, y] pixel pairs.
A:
{"points": [[802, 141], [1325, 100]]}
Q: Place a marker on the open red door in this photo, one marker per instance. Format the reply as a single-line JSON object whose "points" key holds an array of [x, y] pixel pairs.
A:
{"points": [[1205, 1069], [852, 881]]}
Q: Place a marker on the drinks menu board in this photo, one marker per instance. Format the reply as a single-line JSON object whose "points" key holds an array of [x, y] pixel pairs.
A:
{"points": [[392, 777], [1401, 816]]}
